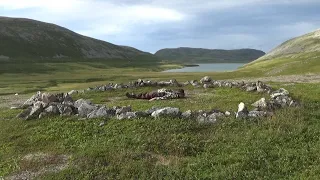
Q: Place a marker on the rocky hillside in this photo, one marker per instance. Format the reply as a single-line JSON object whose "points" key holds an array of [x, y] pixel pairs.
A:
{"points": [[197, 55], [304, 44], [29, 39]]}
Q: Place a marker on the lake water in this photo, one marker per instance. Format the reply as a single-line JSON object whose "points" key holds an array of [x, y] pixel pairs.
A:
{"points": [[212, 67]]}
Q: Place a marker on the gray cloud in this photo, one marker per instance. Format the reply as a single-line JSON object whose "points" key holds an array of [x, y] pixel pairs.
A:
{"points": [[150, 25]]}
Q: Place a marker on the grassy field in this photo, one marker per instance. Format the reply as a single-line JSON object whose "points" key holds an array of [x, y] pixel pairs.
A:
{"points": [[21, 76], [291, 64], [285, 146]]}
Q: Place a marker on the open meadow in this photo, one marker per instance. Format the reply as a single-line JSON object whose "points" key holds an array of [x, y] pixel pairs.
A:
{"points": [[285, 145]]}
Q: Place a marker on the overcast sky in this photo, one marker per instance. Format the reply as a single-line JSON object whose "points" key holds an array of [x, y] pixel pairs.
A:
{"points": [[150, 25]]}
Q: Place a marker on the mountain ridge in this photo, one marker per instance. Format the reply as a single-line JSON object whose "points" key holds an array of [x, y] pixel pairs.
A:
{"points": [[195, 55], [22, 37]]}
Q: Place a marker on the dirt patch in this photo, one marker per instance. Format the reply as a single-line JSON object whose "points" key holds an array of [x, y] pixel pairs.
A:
{"points": [[35, 165]]}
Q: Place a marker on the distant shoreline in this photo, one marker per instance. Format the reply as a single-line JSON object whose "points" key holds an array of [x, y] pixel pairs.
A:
{"points": [[190, 65]]}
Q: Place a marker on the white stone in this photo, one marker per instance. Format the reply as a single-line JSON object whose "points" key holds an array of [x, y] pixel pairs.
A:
{"points": [[73, 92], [78, 103], [168, 111], [85, 109], [280, 92], [260, 103]]}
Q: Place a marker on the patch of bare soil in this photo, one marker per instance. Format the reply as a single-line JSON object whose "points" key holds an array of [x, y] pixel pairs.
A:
{"points": [[35, 165]]}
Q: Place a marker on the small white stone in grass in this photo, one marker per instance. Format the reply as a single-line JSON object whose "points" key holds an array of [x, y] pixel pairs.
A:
{"points": [[102, 124], [241, 107], [227, 113], [16, 94]]}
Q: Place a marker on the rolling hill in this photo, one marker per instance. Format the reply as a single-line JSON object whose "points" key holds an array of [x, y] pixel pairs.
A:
{"points": [[300, 55], [303, 44], [196, 55], [26, 38]]}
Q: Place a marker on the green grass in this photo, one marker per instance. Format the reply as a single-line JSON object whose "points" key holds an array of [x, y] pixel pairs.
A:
{"points": [[285, 146], [293, 64], [24, 76], [196, 99]]}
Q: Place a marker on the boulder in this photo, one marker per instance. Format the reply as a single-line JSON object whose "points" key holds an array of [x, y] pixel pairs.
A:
{"points": [[86, 109], [67, 99], [118, 86], [32, 100], [217, 84], [36, 110], [261, 87], [260, 103], [60, 97], [122, 110], [283, 100], [25, 113], [48, 98], [153, 109], [99, 113], [126, 115], [52, 110], [66, 110], [273, 105], [194, 83], [164, 83], [73, 92], [257, 114], [207, 118], [242, 111], [219, 114], [251, 88], [280, 92], [227, 84], [206, 79], [187, 115], [78, 103], [166, 112], [174, 82]]}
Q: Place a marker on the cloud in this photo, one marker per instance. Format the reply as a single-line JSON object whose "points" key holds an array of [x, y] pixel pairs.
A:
{"points": [[98, 17], [153, 24]]}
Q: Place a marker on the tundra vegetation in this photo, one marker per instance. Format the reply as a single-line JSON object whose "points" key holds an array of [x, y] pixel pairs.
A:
{"points": [[283, 146]]}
